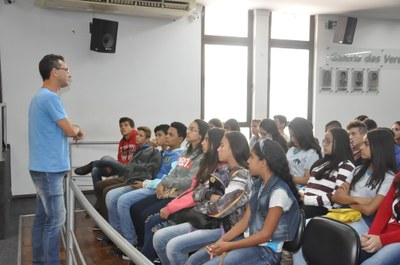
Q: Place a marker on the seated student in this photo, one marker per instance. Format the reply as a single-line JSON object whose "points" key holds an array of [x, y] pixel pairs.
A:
{"points": [[172, 185], [231, 125], [160, 133], [119, 200], [173, 244], [269, 130], [126, 148], [381, 244], [174, 212], [332, 124], [396, 134], [144, 165], [304, 152], [271, 217], [328, 173], [372, 180], [255, 136], [281, 123], [356, 130]]}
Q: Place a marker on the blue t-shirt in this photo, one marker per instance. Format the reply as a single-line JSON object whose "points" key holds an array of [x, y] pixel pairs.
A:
{"points": [[48, 144]]}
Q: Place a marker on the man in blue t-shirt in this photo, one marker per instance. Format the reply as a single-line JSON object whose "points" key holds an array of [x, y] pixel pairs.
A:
{"points": [[49, 129]]}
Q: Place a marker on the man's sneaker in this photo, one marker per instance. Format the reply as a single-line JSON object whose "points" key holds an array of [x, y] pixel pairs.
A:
{"points": [[95, 227], [84, 170]]}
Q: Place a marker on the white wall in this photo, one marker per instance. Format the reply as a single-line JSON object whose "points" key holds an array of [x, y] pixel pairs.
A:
{"points": [[154, 76], [382, 107]]}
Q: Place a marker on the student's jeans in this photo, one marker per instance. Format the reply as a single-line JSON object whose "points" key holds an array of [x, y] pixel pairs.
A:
{"points": [[49, 217], [249, 255], [388, 255], [118, 202], [173, 244], [99, 168]]}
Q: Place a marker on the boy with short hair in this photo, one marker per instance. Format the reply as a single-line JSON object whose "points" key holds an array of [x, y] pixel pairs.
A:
{"points": [[357, 130], [160, 132], [120, 200], [127, 145]]}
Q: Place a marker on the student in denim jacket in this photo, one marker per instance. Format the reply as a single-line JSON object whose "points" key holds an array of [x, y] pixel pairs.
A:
{"points": [[271, 217]]}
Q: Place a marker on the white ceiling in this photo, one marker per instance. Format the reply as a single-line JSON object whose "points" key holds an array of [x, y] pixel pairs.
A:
{"points": [[381, 9]]}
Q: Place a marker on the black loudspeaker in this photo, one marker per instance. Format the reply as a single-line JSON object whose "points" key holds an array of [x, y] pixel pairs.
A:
{"points": [[345, 29], [104, 35]]}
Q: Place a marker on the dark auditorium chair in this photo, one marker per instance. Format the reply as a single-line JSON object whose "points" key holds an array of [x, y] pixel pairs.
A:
{"points": [[330, 242], [295, 244]]}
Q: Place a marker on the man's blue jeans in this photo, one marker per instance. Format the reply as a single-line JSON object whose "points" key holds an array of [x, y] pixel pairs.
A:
{"points": [[99, 168], [49, 217]]}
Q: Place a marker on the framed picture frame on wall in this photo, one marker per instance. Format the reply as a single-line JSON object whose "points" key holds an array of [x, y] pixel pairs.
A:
{"points": [[373, 80], [342, 80], [357, 80], [326, 79]]}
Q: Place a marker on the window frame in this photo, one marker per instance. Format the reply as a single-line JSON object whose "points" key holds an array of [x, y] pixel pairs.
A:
{"points": [[234, 41]]}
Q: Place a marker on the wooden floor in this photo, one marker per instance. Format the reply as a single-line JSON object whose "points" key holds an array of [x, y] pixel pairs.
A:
{"points": [[91, 249]]}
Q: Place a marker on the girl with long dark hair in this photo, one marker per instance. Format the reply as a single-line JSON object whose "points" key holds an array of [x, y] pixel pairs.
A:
{"points": [[372, 180], [304, 152], [328, 173], [269, 130], [271, 217]]}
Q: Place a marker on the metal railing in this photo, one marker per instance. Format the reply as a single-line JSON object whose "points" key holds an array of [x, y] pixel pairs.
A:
{"points": [[71, 245]]}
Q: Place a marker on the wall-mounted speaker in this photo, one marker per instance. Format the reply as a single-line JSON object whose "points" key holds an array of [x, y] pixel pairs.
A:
{"points": [[345, 29], [104, 35]]}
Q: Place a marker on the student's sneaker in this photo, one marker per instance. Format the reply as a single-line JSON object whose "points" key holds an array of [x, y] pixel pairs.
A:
{"points": [[84, 170], [125, 257], [95, 227], [157, 261]]}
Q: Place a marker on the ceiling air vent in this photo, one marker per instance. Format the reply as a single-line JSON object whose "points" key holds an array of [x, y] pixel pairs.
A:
{"points": [[154, 8]]}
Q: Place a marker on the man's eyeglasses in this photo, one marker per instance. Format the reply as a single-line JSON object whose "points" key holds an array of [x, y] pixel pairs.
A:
{"points": [[65, 69]]}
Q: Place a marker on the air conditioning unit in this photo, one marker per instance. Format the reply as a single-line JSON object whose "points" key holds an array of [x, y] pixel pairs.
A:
{"points": [[154, 8]]}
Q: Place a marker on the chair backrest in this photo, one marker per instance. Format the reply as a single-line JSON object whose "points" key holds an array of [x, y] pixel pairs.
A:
{"points": [[330, 242], [295, 244]]}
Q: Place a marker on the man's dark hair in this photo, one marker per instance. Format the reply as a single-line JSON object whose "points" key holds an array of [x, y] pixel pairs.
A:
{"points": [[162, 127], [147, 131], [129, 120], [47, 64], [180, 128]]}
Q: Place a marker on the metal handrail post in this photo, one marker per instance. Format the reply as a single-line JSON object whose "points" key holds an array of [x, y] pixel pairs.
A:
{"points": [[70, 221]]}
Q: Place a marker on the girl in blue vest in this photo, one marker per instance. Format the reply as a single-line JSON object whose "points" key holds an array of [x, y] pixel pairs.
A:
{"points": [[271, 218]]}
